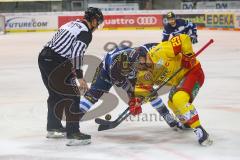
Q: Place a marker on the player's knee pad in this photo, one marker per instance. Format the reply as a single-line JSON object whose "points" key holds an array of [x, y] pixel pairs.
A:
{"points": [[185, 112], [180, 100]]}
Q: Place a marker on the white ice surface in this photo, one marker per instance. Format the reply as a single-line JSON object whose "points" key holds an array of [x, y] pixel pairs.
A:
{"points": [[23, 106]]}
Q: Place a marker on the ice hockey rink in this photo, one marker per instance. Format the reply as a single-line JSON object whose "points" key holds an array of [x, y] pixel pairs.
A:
{"points": [[23, 105]]}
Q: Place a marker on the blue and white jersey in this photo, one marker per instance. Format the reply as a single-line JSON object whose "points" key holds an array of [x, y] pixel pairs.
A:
{"points": [[108, 60], [182, 27], [148, 46], [130, 53], [119, 63]]}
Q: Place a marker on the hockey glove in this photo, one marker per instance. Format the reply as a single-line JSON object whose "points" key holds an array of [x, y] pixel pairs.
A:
{"points": [[194, 39], [188, 61], [135, 106]]}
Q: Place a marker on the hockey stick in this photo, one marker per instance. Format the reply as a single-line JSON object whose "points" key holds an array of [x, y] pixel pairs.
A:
{"points": [[105, 125], [203, 48], [106, 122]]}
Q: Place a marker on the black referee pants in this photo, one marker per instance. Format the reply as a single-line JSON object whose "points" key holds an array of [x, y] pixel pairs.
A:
{"points": [[63, 92]]}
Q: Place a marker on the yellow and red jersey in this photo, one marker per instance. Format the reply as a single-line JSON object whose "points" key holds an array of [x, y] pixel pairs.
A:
{"points": [[166, 58]]}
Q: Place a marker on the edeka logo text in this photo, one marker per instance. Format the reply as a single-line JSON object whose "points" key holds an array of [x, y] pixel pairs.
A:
{"points": [[237, 21], [25, 23], [220, 20]]}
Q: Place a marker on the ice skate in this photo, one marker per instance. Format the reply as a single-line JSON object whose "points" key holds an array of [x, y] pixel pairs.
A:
{"points": [[172, 122], [203, 137], [77, 139], [56, 133]]}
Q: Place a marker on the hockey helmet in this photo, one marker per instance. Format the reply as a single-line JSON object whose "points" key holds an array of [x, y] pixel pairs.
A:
{"points": [[94, 13], [141, 51], [170, 15]]}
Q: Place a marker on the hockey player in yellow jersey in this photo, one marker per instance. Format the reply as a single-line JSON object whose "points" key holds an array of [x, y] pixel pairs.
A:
{"points": [[160, 63]]}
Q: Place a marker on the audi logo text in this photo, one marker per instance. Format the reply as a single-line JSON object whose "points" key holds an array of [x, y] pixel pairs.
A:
{"points": [[146, 20]]}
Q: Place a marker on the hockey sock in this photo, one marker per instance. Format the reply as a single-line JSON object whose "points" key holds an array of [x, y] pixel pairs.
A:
{"points": [[185, 112], [85, 104], [163, 111]]}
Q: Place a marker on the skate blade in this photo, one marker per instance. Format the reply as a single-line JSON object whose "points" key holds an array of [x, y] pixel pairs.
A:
{"points": [[55, 135], [207, 142], [187, 129], [75, 142], [176, 129]]}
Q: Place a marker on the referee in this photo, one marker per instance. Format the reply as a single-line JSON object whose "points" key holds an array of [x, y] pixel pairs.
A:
{"points": [[60, 64]]}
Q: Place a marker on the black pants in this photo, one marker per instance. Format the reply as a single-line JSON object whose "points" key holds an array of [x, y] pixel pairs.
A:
{"points": [[58, 78]]}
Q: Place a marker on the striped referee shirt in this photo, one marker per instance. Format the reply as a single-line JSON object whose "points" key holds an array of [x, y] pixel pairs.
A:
{"points": [[71, 41]]}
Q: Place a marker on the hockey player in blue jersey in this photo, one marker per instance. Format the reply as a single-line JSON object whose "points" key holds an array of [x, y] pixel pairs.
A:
{"points": [[119, 68], [179, 26]]}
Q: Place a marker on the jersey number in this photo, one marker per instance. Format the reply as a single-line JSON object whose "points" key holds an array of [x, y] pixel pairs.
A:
{"points": [[176, 41]]}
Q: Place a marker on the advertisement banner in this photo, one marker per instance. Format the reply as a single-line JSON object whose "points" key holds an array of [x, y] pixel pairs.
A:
{"points": [[198, 19], [30, 23], [49, 22], [136, 21], [64, 19], [115, 6], [218, 5], [140, 21], [2, 24], [220, 20], [187, 5], [237, 21]]}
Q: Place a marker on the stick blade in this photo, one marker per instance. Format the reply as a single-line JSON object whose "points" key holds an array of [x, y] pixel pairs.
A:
{"points": [[98, 120], [102, 121], [104, 127]]}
